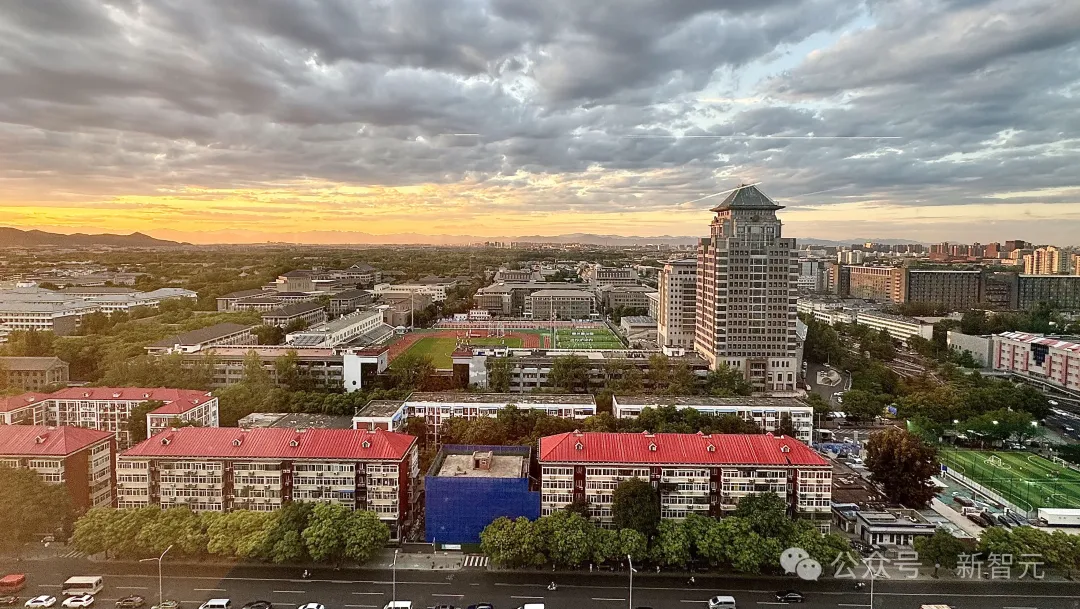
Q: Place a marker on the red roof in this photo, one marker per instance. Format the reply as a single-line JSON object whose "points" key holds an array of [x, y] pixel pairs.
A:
{"points": [[274, 443], [677, 448], [177, 401], [15, 402], [34, 440]]}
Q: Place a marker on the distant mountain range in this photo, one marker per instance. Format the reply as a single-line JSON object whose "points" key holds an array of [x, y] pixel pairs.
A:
{"points": [[13, 237]]}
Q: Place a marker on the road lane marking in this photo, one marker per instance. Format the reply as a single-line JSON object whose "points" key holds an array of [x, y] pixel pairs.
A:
{"points": [[849, 605], [529, 597], [450, 595], [619, 600], [378, 593], [133, 588], [369, 606], [770, 603], [288, 592], [50, 586], [686, 601], [209, 589], [1019, 608]]}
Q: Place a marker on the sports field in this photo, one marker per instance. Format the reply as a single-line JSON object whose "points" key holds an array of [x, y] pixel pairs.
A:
{"points": [[440, 349], [1027, 480], [587, 338]]}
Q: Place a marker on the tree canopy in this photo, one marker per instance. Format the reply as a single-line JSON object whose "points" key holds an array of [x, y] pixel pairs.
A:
{"points": [[902, 464]]}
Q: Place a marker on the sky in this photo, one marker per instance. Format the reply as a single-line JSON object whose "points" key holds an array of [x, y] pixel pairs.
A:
{"points": [[340, 121]]}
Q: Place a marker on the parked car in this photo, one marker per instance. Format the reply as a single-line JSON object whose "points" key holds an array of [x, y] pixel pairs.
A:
{"points": [[482, 606], [167, 604], [259, 605], [78, 601], [130, 602], [790, 596], [312, 606], [41, 602], [722, 602]]}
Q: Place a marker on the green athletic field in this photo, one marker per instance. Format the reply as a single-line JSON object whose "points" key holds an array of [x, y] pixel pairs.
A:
{"points": [[587, 338], [1027, 480], [440, 349]]}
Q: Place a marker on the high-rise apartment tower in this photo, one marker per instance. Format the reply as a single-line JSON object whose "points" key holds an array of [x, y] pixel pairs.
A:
{"points": [[747, 288]]}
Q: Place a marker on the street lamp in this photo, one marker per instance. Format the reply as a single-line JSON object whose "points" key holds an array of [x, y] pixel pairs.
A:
{"points": [[394, 565], [630, 561], [160, 596]]}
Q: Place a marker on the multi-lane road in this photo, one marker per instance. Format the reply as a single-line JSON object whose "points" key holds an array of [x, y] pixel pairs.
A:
{"points": [[372, 589]]}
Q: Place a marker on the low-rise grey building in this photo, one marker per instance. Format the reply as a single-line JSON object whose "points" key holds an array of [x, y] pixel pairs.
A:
{"points": [[311, 313], [32, 373], [559, 304], [220, 335], [348, 301]]}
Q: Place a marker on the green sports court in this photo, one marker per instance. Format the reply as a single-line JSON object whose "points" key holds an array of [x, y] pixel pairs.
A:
{"points": [[441, 349], [1025, 479], [587, 338]]}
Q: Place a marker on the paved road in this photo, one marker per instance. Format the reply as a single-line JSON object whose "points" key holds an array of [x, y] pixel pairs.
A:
{"points": [[372, 589]]}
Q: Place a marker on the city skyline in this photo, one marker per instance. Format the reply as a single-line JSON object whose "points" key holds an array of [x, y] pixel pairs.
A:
{"points": [[924, 120]]}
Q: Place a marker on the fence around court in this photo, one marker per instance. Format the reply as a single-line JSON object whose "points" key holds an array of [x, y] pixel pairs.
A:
{"points": [[1022, 481]]}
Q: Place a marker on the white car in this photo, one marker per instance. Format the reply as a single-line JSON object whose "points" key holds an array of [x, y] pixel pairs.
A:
{"points": [[41, 601], [312, 606], [79, 600]]}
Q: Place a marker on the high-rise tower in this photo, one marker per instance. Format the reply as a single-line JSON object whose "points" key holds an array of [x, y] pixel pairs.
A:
{"points": [[747, 287]]}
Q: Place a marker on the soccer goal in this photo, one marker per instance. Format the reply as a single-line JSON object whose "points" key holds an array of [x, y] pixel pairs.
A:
{"points": [[995, 461]]}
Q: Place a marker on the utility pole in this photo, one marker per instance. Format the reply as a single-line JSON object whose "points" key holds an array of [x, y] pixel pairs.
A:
{"points": [[630, 561], [159, 578]]}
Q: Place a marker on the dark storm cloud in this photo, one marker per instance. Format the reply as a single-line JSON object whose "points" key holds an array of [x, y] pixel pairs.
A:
{"points": [[130, 96]]}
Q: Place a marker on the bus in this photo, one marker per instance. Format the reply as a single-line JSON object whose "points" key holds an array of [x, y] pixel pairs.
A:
{"points": [[10, 584], [83, 584]]}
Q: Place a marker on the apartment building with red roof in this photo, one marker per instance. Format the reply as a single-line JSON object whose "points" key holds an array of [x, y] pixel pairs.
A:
{"points": [[79, 458], [692, 473], [109, 408], [220, 469]]}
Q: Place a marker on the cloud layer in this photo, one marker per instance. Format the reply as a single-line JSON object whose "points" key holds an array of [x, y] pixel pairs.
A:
{"points": [[507, 117]]}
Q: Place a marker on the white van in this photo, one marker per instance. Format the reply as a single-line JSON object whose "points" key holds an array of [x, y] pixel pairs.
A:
{"points": [[217, 603], [83, 584], [399, 605], [532, 606], [722, 602]]}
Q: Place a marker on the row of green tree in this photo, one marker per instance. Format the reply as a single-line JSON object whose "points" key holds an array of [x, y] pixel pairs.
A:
{"points": [[298, 532], [749, 541], [574, 374], [1054, 550], [525, 426]]}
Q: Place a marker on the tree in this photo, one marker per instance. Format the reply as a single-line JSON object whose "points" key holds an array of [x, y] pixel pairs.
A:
{"points": [[635, 505], [940, 548], [364, 535], [178, 527], [786, 427], [727, 382], [284, 542], [567, 538], [683, 381], [766, 514], [659, 373], [136, 423], [411, 370], [30, 506], [290, 374], [570, 373], [579, 506], [860, 405], [269, 335], [671, 546], [239, 534], [499, 369], [92, 531], [633, 544], [902, 464], [324, 535], [513, 543]]}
